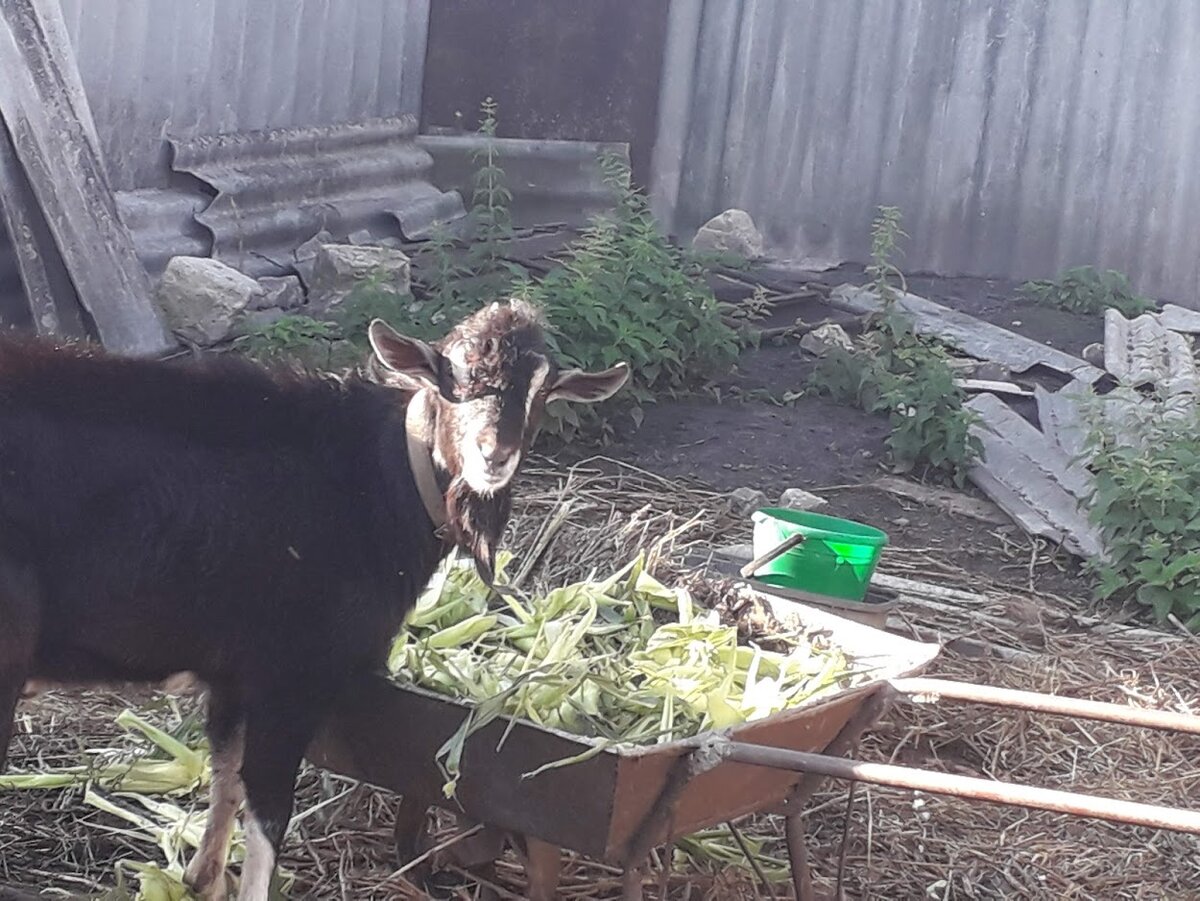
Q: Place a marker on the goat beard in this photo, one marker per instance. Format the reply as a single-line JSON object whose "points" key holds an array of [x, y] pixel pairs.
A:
{"points": [[477, 523]]}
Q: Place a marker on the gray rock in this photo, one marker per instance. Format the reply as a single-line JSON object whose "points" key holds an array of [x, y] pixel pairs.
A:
{"points": [[799, 499], [340, 267], [821, 340], [732, 231], [279, 293], [361, 237], [744, 501], [202, 298], [1094, 354], [306, 255]]}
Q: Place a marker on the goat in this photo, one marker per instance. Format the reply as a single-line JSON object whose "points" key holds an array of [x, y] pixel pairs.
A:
{"points": [[265, 530]]}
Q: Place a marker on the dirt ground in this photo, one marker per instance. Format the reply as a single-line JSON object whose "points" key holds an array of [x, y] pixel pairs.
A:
{"points": [[836, 451]]}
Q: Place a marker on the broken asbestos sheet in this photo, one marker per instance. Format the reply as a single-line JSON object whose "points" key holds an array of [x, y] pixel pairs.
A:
{"points": [[1029, 476], [972, 336]]}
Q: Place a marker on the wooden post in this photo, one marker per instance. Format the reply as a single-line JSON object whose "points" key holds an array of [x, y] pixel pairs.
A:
{"points": [[43, 106]]}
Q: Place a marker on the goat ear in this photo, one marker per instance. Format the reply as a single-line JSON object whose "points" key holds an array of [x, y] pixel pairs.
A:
{"points": [[409, 359], [588, 387]]}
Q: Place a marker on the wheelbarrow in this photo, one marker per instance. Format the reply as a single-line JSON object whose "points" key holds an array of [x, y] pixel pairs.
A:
{"points": [[621, 803]]}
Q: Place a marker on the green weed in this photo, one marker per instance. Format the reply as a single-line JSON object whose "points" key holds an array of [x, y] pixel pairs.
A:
{"points": [[1085, 289]]}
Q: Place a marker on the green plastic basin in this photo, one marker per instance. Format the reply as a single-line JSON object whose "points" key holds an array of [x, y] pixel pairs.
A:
{"points": [[837, 557]]}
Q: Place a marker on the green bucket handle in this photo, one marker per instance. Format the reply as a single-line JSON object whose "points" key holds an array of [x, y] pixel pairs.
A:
{"points": [[748, 571]]}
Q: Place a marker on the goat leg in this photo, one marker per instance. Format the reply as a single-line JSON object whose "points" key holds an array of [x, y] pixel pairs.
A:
{"points": [[279, 728], [206, 872]]}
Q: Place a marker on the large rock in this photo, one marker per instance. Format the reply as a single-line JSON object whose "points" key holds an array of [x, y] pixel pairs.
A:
{"points": [[202, 298], [279, 293], [306, 256], [732, 231], [341, 267]]}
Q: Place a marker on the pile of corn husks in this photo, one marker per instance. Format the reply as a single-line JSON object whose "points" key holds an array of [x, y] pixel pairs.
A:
{"points": [[624, 660]]}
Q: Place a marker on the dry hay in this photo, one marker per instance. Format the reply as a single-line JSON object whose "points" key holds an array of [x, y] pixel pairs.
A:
{"points": [[899, 845]]}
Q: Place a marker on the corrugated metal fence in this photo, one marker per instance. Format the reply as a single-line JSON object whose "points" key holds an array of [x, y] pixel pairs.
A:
{"points": [[1017, 136]]}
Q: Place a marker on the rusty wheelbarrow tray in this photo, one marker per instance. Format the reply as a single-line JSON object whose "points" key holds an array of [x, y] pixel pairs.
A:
{"points": [[624, 801]]}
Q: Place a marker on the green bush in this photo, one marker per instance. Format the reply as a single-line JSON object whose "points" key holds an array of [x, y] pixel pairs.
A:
{"points": [[624, 292], [1146, 504], [1085, 289], [898, 372]]}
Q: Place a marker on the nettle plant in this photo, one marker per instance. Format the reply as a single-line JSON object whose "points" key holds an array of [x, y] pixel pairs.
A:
{"points": [[1146, 504], [625, 292], [905, 375], [1086, 289]]}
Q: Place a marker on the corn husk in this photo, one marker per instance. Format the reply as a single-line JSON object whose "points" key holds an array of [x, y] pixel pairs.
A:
{"points": [[622, 660]]}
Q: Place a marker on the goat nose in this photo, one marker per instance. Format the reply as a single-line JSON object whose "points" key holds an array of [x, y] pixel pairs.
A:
{"points": [[491, 452]]}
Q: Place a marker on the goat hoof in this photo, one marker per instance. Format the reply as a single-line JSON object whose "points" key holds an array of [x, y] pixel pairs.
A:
{"points": [[208, 880]]}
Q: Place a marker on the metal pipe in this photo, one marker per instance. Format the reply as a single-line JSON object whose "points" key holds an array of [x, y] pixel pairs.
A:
{"points": [[1164, 720], [968, 787]]}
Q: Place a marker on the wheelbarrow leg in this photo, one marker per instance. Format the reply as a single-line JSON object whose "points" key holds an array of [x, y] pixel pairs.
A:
{"points": [[543, 868], [798, 858], [409, 829], [631, 884]]}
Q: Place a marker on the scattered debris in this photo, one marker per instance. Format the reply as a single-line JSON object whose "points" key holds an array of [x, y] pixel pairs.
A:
{"points": [[744, 501], [1179, 319], [279, 292], [275, 185], [953, 502], [202, 298], [733, 231], [970, 335], [824, 338], [799, 499], [1031, 478], [1061, 416], [995, 387], [341, 267], [1141, 352]]}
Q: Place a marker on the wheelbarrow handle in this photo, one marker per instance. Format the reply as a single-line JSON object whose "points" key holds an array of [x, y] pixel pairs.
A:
{"points": [[783, 547]]}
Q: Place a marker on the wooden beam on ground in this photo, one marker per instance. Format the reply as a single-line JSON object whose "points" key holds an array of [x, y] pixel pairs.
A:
{"points": [[43, 105]]}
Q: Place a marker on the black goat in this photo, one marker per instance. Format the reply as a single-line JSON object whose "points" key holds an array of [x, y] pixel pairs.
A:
{"points": [[266, 531]]}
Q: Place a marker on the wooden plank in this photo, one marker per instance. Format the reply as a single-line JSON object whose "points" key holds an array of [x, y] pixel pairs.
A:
{"points": [[42, 103], [53, 306]]}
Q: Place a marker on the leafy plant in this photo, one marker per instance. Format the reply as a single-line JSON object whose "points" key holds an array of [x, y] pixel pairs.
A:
{"points": [[624, 292], [896, 371], [1085, 289], [292, 338], [1146, 503], [885, 240], [490, 214]]}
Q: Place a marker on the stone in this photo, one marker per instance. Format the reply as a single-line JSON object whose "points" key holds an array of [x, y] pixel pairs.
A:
{"points": [[732, 231], [202, 298], [744, 501], [821, 340], [341, 267], [361, 237], [799, 499], [1094, 354], [279, 293], [306, 255]]}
